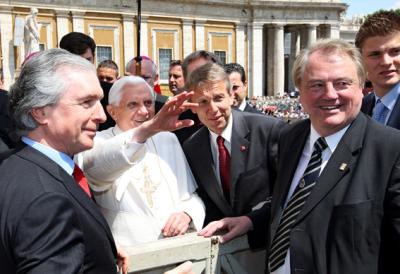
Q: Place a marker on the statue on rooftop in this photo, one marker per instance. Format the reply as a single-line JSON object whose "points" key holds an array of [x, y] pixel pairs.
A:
{"points": [[31, 33]]}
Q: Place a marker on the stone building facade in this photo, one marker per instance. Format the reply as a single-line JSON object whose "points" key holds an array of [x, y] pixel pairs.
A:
{"points": [[262, 35]]}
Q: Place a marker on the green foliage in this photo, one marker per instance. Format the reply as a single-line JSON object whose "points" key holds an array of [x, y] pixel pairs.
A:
{"points": [[397, 11]]}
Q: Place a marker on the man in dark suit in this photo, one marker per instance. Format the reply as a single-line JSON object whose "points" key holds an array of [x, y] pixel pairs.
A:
{"points": [[336, 201], [237, 76], [48, 223], [379, 41], [5, 122], [250, 140]]}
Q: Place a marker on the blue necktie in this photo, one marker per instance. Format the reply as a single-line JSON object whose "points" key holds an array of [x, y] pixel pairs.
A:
{"points": [[380, 112]]}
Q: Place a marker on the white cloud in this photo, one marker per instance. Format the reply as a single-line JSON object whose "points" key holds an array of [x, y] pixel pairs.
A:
{"points": [[396, 4]]}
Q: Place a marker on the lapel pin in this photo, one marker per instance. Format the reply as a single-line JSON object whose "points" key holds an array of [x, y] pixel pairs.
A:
{"points": [[243, 148], [343, 167]]}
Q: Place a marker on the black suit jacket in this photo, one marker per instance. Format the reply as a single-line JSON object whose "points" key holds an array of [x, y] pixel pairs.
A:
{"points": [[253, 167], [368, 105], [351, 220], [6, 126], [48, 224], [251, 109], [104, 102]]}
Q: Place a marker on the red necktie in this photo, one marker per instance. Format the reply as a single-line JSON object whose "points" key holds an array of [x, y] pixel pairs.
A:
{"points": [[81, 180], [224, 167]]}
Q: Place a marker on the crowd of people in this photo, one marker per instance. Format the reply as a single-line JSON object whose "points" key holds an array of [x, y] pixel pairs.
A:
{"points": [[104, 161]]}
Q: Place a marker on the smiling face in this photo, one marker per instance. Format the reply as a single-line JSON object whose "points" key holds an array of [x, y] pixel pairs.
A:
{"points": [[135, 107], [381, 56], [330, 91], [71, 124], [214, 105]]}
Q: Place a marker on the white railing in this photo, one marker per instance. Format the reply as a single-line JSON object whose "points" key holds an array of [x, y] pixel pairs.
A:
{"points": [[207, 254]]}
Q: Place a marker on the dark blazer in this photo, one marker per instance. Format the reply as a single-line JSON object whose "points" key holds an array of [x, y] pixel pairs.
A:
{"points": [[6, 126], [351, 220], [253, 160], [104, 102], [251, 109], [368, 105], [47, 222]]}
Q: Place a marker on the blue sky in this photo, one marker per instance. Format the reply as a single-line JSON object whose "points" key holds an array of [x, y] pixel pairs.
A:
{"points": [[369, 6]]}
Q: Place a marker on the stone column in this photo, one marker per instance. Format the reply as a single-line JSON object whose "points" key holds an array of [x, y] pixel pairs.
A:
{"points": [[311, 34], [200, 44], [303, 37], [78, 22], [62, 23], [256, 60], [6, 37], [129, 43], [187, 37], [240, 44], [269, 76], [334, 31], [279, 61], [294, 50], [144, 38]]}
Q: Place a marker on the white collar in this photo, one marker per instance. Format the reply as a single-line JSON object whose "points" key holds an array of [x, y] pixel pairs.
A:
{"points": [[332, 140]]}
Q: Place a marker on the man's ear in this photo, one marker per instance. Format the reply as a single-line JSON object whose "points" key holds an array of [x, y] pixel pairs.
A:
{"points": [[40, 115], [111, 110]]}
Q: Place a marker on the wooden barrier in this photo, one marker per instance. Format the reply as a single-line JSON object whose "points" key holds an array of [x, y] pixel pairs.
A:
{"points": [[207, 254]]}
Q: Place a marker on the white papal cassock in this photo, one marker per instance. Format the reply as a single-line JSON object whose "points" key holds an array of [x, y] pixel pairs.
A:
{"points": [[138, 186]]}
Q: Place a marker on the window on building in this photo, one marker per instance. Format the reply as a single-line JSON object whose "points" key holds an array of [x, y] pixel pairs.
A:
{"points": [[164, 58], [221, 54], [103, 53]]}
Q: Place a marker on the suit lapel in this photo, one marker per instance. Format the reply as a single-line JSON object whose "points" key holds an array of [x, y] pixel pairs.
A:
{"points": [[68, 182], [206, 174], [239, 148], [290, 151], [341, 163], [394, 119]]}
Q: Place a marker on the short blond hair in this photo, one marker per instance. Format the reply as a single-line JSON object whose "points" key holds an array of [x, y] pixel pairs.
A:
{"points": [[328, 47], [207, 74]]}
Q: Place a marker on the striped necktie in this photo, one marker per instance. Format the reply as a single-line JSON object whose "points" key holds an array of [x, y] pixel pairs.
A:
{"points": [[281, 241]]}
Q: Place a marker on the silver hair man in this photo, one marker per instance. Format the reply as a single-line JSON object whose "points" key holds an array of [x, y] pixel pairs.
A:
{"points": [[41, 83]]}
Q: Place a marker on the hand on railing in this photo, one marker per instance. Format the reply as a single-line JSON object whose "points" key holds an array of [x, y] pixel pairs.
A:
{"points": [[231, 227], [177, 224], [185, 268], [122, 260]]}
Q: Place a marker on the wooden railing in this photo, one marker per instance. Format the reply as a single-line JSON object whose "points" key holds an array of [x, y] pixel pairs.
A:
{"points": [[207, 254]]}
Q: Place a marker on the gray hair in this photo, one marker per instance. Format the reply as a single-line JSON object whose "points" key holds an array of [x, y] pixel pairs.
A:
{"points": [[41, 83], [328, 46], [115, 94]]}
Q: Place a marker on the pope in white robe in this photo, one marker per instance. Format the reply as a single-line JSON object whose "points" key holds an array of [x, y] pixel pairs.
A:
{"points": [[145, 190]]}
